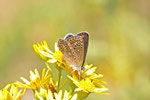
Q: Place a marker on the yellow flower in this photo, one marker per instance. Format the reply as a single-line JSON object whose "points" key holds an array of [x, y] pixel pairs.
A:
{"points": [[35, 81], [88, 72], [13, 94], [43, 51], [48, 56], [89, 82], [88, 86]]}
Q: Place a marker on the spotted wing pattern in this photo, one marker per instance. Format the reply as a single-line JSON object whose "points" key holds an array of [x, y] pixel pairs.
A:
{"points": [[85, 36], [78, 46], [68, 52], [74, 48]]}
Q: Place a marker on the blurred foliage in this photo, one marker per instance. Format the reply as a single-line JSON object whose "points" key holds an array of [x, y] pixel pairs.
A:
{"points": [[119, 39]]}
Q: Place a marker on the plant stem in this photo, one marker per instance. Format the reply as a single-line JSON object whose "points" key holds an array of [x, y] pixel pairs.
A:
{"points": [[64, 84], [59, 78], [47, 65]]}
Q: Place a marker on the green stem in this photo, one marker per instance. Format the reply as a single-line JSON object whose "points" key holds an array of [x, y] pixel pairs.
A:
{"points": [[47, 65], [63, 84], [59, 78]]}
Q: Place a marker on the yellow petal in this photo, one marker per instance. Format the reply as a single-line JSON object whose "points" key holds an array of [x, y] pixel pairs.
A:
{"points": [[32, 76], [25, 80], [46, 54], [59, 95], [7, 86], [50, 95], [100, 89], [18, 94], [90, 71], [48, 50], [56, 47], [66, 95], [37, 73], [78, 89], [74, 97], [1, 95], [45, 43], [43, 73], [51, 60]]}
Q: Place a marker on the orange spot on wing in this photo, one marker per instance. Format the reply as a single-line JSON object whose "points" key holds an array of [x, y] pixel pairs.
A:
{"points": [[61, 42], [61, 47], [82, 36], [73, 41]]}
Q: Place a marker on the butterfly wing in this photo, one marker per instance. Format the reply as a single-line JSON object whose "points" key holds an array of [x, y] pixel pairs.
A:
{"points": [[74, 49], [85, 36], [68, 52], [78, 46], [68, 36]]}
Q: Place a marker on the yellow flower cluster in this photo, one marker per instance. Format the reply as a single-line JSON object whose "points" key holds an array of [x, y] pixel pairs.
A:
{"points": [[48, 56], [48, 88], [85, 83], [90, 82], [11, 94], [35, 81]]}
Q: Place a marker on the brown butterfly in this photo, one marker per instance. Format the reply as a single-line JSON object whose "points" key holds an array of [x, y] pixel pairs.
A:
{"points": [[74, 49]]}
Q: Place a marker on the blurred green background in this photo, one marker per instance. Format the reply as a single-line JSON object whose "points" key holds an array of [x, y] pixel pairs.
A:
{"points": [[119, 40]]}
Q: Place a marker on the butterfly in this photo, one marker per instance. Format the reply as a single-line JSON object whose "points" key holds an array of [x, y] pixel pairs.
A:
{"points": [[74, 49]]}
